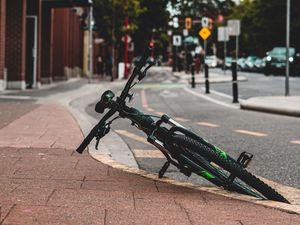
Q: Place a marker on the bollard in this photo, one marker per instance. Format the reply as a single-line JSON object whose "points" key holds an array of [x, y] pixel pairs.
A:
{"points": [[193, 75], [234, 82], [206, 79]]}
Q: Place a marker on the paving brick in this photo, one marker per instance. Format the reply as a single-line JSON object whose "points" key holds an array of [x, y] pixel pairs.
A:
{"points": [[28, 196], [165, 216], [105, 199], [48, 215]]}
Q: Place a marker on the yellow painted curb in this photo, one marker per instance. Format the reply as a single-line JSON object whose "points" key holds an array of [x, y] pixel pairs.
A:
{"points": [[106, 159]]}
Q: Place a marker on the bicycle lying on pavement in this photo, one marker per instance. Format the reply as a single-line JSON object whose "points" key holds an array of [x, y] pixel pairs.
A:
{"points": [[181, 147]]}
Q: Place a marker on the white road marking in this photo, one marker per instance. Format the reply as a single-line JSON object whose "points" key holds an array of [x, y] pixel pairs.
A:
{"points": [[181, 119], [208, 124], [211, 99], [296, 142], [17, 97], [133, 136], [141, 153], [144, 99], [257, 134]]}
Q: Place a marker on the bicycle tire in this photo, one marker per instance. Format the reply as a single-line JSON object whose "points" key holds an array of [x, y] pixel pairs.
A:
{"points": [[231, 166]]}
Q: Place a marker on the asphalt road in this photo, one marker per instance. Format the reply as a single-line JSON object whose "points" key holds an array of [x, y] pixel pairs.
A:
{"points": [[267, 136], [258, 85]]}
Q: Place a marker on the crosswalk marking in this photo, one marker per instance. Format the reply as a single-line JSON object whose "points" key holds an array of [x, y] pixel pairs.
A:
{"points": [[133, 136], [296, 142], [208, 124], [257, 134], [142, 153]]}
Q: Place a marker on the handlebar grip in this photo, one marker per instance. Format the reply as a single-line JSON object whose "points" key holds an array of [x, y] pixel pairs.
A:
{"points": [[86, 141]]}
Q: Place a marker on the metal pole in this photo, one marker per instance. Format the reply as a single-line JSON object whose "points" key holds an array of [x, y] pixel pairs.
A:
{"points": [[126, 49], [225, 53], [225, 49], [193, 75], [234, 82], [206, 79], [185, 58], [287, 63], [237, 48], [176, 58], [205, 44], [91, 43]]}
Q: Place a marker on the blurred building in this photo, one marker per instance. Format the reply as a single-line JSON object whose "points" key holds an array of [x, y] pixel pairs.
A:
{"points": [[40, 41]]}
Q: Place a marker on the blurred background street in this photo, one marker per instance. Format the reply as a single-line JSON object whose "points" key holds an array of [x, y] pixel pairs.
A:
{"points": [[229, 70]]}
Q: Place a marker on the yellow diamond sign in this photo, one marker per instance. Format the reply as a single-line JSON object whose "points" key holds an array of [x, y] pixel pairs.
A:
{"points": [[204, 33]]}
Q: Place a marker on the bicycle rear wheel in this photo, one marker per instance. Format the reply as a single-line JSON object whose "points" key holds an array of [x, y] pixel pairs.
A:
{"points": [[224, 167]]}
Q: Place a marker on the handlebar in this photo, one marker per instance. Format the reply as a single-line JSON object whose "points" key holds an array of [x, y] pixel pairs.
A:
{"points": [[120, 102], [136, 71]]}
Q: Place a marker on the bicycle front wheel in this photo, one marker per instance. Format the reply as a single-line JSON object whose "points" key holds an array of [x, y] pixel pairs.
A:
{"points": [[224, 168]]}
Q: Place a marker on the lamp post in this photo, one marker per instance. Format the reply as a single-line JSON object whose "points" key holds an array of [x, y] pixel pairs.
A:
{"points": [[91, 23], [287, 62]]}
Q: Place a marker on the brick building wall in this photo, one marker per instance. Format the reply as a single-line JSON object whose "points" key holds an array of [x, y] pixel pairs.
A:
{"points": [[15, 43], [2, 42], [46, 44], [67, 44]]}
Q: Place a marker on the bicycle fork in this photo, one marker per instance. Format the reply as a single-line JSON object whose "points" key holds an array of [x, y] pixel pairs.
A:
{"points": [[158, 144]]}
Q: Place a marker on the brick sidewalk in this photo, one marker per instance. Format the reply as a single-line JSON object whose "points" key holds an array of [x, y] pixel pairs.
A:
{"points": [[43, 181]]}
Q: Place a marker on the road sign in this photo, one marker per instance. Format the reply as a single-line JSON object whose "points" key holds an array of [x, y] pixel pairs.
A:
{"points": [[129, 39], [204, 33], [223, 34], [205, 22], [185, 32], [234, 27], [177, 40], [188, 23]]}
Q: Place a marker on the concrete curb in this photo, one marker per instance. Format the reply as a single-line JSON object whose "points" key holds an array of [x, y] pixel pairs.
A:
{"points": [[278, 105], [84, 96], [213, 78], [108, 160], [105, 159]]}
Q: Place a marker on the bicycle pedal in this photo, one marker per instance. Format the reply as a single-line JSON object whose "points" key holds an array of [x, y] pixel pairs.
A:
{"points": [[186, 172], [163, 169], [245, 158]]}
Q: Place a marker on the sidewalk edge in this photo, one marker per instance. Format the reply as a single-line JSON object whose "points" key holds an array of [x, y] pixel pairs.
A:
{"points": [[105, 159], [260, 108]]}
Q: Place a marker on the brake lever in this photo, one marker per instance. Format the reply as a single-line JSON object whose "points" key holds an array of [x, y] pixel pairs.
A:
{"points": [[101, 133], [143, 74]]}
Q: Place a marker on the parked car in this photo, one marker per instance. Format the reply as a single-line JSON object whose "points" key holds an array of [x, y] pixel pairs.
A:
{"points": [[211, 61], [259, 64], [241, 64], [249, 63], [276, 61], [228, 62]]}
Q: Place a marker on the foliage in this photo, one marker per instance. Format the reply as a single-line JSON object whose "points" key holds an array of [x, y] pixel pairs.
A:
{"points": [[264, 24], [152, 23], [110, 16], [146, 18]]}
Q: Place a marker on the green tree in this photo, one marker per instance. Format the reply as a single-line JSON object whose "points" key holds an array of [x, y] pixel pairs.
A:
{"points": [[152, 23], [264, 24], [110, 16]]}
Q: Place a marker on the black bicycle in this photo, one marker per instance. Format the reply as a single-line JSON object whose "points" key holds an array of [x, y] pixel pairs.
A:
{"points": [[181, 147]]}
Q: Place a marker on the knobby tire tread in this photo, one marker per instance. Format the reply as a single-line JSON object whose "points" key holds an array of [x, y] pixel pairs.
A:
{"points": [[231, 166]]}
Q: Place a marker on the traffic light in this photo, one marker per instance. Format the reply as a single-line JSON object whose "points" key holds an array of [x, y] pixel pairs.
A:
{"points": [[188, 23], [151, 44], [220, 18], [210, 23]]}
